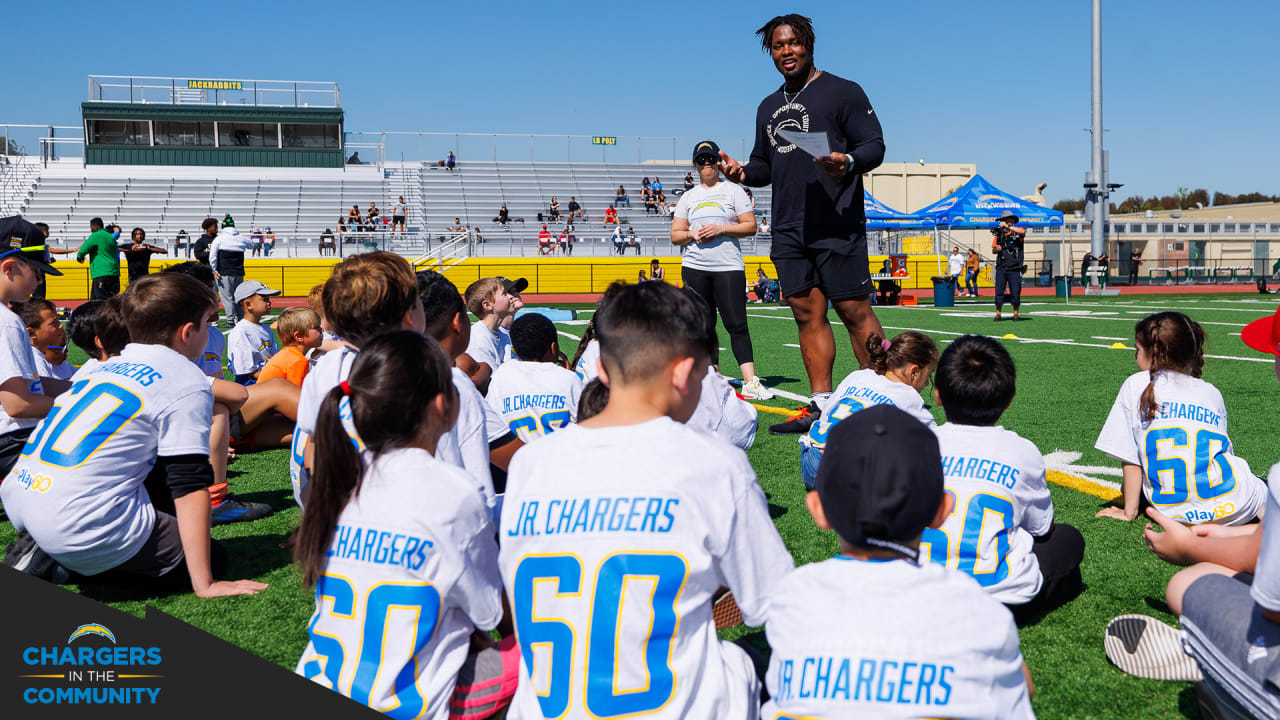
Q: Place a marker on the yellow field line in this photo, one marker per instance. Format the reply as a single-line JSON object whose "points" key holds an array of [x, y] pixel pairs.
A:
{"points": [[1084, 485]]}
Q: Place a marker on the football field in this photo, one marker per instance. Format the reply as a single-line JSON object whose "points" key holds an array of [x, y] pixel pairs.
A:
{"points": [[1071, 360]]}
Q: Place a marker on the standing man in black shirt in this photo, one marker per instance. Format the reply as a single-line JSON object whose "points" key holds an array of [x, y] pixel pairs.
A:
{"points": [[1007, 242], [819, 228], [138, 254], [200, 248]]}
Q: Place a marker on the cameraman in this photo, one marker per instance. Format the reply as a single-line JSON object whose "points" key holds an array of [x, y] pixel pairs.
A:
{"points": [[1006, 243]]}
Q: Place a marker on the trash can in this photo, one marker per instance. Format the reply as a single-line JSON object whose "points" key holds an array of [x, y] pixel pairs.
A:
{"points": [[944, 291], [1042, 280], [1062, 285]]}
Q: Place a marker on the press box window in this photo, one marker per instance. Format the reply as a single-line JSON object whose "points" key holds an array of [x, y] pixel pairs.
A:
{"points": [[246, 134], [118, 132], [309, 136], [184, 133]]}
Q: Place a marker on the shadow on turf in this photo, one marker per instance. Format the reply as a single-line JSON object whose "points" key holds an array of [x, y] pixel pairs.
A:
{"points": [[772, 380], [1189, 703]]}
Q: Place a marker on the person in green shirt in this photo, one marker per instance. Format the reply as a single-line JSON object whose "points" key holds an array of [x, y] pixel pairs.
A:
{"points": [[104, 262]]}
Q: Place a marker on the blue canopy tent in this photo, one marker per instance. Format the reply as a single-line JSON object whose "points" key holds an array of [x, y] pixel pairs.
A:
{"points": [[883, 217], [979, 204]]}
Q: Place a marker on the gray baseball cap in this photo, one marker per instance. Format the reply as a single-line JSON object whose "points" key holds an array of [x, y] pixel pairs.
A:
{"points": [[249, 288]]}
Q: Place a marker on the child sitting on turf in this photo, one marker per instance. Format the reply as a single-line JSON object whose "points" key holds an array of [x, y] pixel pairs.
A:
{"points": [[129, 504], [897, 371], [299, 330], [438, 564], [633, 502], [584, 361], [250, 343], [533, 392], [24, 397], [98, 328], [48, 339], [1013, 549], [329, 342], [1168, 428], [481, 437], [875, 632], [367, 294], [488, 300]]}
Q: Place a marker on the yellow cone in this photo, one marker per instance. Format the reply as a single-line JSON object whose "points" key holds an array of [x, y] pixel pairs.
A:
{"points": [[1011, 336], [1120, 346]]}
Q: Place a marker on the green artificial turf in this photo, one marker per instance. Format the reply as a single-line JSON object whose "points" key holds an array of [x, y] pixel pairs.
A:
{"points": [[1065, 389]]}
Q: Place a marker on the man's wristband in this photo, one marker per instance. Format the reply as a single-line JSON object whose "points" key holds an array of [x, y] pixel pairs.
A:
{"points": [[848, 168]]}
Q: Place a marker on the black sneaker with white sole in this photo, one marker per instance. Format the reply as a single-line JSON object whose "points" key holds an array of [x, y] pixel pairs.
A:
{"points": [[23, 554], [799, 423], [233, 509]]}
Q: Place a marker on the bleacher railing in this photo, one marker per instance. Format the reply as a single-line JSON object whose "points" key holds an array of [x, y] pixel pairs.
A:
{"points": [[212, 91]]}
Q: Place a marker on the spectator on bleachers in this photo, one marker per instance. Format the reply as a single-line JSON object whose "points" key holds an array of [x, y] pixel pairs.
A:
{"points": [[455, 227], [200, 250], [138, 254], [398, 215], [182, 242], [479, 237], [618, 244], [688, 181], [566, 242], [645, 185], [575, 209], [620, 197], [268, 241], [656, 185], [632, 241], [554, 209], [544, 241], [326, 243], [450, 161], [610, 216], [503, 216], [371, 217], [650, 204], [255, 237], [342, 224], [765, 228], [353, 219], [656, 271]]}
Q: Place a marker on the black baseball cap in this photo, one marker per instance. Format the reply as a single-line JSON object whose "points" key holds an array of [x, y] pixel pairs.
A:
{"points": [[706, 147], [25, 240], [880, 481], [518, 285]]}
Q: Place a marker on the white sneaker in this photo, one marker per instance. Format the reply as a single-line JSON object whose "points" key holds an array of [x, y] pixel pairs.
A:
{"points": [[755, 390]]}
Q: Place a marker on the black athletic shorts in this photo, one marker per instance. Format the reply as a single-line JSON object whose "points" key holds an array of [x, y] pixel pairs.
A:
{"points": [[835, 264]]}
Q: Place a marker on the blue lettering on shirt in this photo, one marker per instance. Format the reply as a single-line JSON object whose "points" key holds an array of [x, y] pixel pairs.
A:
{"points": [[980, 469], [144, 374], [377, 547], [1187, 411], [569, 516], [876, 680]]}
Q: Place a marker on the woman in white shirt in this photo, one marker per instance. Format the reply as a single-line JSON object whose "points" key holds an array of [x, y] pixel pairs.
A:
{"points": [[708, 221]]}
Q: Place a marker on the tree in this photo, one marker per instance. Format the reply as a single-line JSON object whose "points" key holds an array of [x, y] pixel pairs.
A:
{"points": [[14, 148], [1069, 206]]}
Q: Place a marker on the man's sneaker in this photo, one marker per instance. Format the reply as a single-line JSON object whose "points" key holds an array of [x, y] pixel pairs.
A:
{"points": [[233, 509], [755, 390], [1147, 648], [798, 423], [25, 555]]}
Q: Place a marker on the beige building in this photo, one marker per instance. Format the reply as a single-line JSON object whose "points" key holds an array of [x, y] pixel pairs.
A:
{"points": [[911, 186]]}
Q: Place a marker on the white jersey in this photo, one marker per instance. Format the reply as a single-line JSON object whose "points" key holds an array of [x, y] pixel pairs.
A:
{"points": [[860, 390], [211, 360], [328, 373], [721, 412], [89, 366], [1002, 500], [411, 572], [78, 487], [720, 204], [486, 346], [586, 367], [955, 264], [466, 445], [504, 341], [623, 548], [249, 347], [16, 362], [534, 398], [1188, 470], [1266, 578], [890, 639], [62, 371]]}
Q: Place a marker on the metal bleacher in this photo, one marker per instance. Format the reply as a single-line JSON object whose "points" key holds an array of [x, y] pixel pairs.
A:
{"points": [[298, 204]]}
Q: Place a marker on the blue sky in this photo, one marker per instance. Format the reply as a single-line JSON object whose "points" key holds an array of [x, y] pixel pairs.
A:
{"points": [[1189, 90]]}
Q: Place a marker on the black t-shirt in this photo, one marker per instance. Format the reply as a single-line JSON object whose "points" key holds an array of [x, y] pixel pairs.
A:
{"points": [[1010, 256], [803, 195], [201, 249], [574, 206], [139, 259]]}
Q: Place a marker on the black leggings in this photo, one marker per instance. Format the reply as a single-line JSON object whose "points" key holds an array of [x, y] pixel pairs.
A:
{"points": [[725, 291], [1059, 553], [1014, 280]]}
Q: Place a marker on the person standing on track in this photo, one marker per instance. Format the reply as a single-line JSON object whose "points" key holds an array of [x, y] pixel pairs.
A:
{"points": [[1007, 242], [819, 227], [709, 220]]}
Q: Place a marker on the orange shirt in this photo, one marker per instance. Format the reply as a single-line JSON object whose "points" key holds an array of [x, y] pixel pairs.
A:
{"points": [[289, 364]]}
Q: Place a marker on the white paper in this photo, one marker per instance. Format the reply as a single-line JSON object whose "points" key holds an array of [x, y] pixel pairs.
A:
{"points": [[814, 143]]}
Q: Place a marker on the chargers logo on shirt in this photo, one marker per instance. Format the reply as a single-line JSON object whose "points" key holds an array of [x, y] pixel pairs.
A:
{"points": [[792, 117]]}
